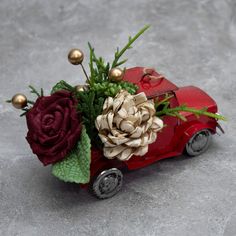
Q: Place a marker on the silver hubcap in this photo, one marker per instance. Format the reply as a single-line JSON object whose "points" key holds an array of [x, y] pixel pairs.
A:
{"points": [[198, 143], [108, 183]]}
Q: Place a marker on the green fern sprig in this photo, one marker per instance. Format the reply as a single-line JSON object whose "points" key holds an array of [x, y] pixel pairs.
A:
{"points": [[131, 40], [34, 91], [163, 108], [98, 68]]}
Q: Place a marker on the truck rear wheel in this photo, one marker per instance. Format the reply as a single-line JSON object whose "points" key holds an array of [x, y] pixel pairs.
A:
{"points": [[198, 143]]}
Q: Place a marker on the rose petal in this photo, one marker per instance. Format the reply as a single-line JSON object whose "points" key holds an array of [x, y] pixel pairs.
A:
{"points": [[141, 151], [134, 142], [145, 115], [102, 123], [108, 104], [118, 140], [122, 113], [137, 132], [117, 120], [112, 152], [127, 126], [140, 98], [126, 154], [117, 104], [117, 133], [110, 116], [157, 124], [147, 125], [135, 119], [152, 137], [107, 142], [129, 106], [144, 139]]}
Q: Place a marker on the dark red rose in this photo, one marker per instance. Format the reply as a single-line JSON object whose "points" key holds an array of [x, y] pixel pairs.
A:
{"points": [[54, 126]]}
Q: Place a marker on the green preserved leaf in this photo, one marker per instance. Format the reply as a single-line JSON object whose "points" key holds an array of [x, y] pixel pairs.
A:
{"points": [[75, 168], [62, 85]]}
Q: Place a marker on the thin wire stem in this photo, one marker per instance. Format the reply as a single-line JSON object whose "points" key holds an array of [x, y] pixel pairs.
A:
{"points": [[87, 81]]}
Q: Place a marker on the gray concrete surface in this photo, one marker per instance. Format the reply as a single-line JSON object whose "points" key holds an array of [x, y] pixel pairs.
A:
{"points": [[191, 42]]}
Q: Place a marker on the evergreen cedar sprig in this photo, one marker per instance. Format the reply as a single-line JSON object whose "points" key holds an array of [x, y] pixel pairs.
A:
{"points": [[99, 81], [98, 68], [163, 108], [90, 106], [118, 53], [183, 108], [25, 111], [34, 91], [41, 92]]}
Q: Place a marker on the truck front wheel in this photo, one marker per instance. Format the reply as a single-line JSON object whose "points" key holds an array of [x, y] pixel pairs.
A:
{"points": [[107, 183]]}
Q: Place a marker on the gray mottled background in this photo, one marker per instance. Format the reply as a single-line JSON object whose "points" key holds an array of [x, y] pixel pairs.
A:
{"points": [[191, 42]]}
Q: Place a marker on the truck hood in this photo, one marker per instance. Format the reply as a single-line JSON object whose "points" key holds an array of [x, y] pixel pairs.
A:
{"points": [[196, 98]]}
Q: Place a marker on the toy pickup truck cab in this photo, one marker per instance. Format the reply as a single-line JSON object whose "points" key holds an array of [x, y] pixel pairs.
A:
{"points": [[191, 137]]}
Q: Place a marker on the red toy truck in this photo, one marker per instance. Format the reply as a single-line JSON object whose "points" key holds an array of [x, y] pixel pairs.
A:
{"points": [[191, 137]]}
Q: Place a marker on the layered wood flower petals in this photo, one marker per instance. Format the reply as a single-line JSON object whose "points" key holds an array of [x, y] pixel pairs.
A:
{"points": [[127, 125]]}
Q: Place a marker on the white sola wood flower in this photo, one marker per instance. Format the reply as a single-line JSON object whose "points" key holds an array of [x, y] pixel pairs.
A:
{"points": [[127, 125]]}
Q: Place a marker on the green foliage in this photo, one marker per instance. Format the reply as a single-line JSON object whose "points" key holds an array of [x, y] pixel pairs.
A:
{"points": [[90, 106], [110, 89], [131, 40], [41, 92], [25, 110], [99, 69], [100, 87], [34, 91], [62, 85], [163, 108], [75, 168]]}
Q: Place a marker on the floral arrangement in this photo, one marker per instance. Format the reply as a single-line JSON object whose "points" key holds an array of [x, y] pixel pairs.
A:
{"points": [[106, 113]]}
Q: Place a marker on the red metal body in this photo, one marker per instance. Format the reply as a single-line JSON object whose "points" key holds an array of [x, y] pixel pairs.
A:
{"points": [[172, 139]]}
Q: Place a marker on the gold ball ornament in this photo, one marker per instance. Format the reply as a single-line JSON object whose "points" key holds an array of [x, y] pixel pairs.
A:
{"points": [[19, 101], [75, 56], [81, 88], [116, 74]]}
